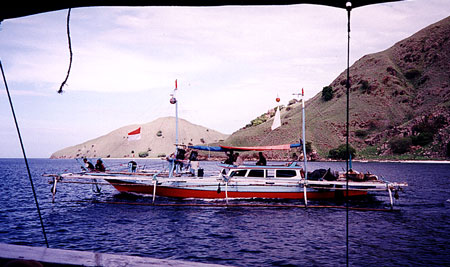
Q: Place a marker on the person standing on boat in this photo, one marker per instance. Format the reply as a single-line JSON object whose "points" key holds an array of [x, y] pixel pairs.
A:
{"points": [[132, 166], [89, 166], [193, 164], [99, 166], [239, 160], [230, 160], [179, 158], [262, 160]]}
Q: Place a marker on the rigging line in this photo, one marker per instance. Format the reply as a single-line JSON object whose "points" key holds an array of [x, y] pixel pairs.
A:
{"points": [[260, 143], [24, 154], [347, 84], [60, 91]]}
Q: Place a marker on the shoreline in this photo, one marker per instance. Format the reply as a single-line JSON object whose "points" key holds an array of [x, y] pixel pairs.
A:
{"points": [[431, 161]]}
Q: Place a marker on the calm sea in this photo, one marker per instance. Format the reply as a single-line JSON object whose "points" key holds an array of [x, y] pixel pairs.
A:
{"points": [[418, 234]]}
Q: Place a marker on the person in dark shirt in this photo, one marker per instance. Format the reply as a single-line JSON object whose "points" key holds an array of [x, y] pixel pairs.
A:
{"points": [[89, 166], [230, 157], [262, 160], [193, 156], [132, 165], [99, 166]]}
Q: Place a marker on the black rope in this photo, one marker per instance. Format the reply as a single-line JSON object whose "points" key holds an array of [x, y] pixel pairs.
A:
{"points": [[347, 84], [60, 91], [24, 155]]}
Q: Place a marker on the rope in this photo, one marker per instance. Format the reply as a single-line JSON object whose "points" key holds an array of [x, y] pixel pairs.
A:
{"points": [[24, 154], [60, 91]]}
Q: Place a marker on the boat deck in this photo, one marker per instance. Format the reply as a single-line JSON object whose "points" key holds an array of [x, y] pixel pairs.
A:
{"points": [[26, 255]]}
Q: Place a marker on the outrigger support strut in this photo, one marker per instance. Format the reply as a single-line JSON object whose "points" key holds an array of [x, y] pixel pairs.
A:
{"points": [[55, 180], [304, 194], [154, 190], [155, 181], [226, 191], [390, 197]]}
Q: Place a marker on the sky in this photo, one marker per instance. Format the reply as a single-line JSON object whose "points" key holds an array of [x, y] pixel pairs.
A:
{"points": [[231, 63]]}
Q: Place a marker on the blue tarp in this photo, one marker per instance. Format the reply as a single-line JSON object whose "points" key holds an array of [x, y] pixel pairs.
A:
{"points": [[209, 148]]}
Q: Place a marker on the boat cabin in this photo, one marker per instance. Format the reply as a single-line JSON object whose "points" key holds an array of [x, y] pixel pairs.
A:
{"points": [[269, 172]]}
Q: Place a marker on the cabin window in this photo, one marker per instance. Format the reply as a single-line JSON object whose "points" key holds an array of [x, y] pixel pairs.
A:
{"points": [[270, 174], [286, 173], [256, 173], [238, 173]]}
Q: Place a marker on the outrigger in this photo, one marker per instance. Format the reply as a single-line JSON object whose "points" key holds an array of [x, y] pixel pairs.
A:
{"points": [[282, 181]]}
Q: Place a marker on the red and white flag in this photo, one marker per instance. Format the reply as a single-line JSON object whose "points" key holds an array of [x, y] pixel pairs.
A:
{"points": [[134, 135]]}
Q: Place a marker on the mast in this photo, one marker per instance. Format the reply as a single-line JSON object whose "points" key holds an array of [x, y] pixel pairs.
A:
{"points": [[176, 127], [173, 100], [304, 146], [176, 119], [304, 149], [303, 135]]}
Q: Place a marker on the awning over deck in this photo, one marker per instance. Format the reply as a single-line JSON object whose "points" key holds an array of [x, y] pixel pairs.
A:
{"points": [[246, 148]]}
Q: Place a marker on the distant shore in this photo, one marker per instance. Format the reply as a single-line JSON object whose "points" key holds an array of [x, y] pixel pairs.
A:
{"points": [[431, 161]]}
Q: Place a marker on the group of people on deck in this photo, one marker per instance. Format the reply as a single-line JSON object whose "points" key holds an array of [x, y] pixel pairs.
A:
{"points": [[99, 166], [179, 158], [236, 159]]}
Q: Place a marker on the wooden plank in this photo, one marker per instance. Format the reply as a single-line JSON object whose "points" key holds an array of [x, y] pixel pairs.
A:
{"points": [[61, 257]]}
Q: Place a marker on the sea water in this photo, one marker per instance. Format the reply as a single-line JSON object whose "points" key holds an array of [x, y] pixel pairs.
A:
{"points": [[416, 234]]}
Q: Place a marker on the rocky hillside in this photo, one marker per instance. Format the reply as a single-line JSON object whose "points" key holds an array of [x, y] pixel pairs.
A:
{"points": [[157, 139], [399, 104]]}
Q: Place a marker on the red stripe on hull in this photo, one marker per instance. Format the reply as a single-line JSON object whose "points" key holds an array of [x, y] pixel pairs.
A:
{"points": [[192, 193]]}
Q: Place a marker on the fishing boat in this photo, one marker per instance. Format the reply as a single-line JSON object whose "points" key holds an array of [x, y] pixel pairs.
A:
{"points": [[289, 180], [273, 181]]}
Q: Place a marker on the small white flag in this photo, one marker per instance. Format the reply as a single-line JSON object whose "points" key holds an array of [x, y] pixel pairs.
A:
{"points": [[134, 135], [276, 120]]}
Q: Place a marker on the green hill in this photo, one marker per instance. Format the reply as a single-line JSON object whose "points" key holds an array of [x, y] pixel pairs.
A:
{"points": [[399, 104]]}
